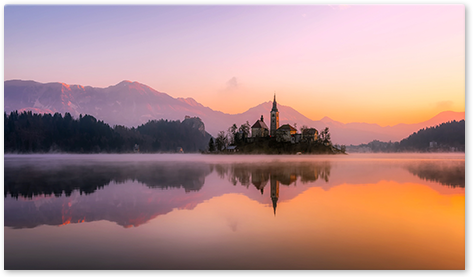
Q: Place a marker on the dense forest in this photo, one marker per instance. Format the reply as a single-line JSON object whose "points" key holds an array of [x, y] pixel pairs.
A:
{"points": [[446, 137], [36, 133]]}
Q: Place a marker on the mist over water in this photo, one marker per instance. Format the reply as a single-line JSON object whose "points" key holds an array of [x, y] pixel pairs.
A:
{"points": [[315, 212]]}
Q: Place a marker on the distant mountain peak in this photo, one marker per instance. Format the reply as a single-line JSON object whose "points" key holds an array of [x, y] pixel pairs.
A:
{"points": [[327, 119], [444, 116], [134, 85], [190, 101], [449, 113], [127, 83]]}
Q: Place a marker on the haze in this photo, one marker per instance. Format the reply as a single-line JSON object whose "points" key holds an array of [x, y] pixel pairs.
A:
{"points": [[384, 64]]}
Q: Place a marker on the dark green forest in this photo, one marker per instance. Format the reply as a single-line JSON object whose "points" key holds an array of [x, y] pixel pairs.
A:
{"points": [[446, 137], [42, 133]]}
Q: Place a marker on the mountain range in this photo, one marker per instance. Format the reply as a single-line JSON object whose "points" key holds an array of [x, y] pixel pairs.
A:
{"points": [[131, 104]]}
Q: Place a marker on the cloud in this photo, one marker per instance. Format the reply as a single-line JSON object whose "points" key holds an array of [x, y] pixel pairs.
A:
{"points": [[444, 105], [232, 84]]}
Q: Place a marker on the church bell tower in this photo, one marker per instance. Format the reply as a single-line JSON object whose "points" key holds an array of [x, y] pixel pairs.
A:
{"points": [[274, 118]]}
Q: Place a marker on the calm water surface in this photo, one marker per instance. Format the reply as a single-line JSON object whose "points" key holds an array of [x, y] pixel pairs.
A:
{"points": [[361, 211]]}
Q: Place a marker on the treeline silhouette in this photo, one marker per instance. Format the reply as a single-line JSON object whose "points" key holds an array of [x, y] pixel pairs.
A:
{"points": [[446, 137], [31, 133]]}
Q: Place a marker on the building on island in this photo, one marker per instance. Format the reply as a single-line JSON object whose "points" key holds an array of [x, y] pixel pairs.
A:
{"points": [[285, 133], [309, 134], [259, 129], [231, 148]]}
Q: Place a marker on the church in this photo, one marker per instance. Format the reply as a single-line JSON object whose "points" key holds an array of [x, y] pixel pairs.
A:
{"points": [[260, 129], [284, 133]]}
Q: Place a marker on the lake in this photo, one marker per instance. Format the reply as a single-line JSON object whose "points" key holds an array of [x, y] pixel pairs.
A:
{"points": [[191, 211]]}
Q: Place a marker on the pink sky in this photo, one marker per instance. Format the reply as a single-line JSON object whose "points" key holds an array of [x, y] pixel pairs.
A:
{"points": [[383, 64]]}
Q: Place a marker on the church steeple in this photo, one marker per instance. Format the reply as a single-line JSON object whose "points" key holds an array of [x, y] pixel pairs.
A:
{"points": [[275, 104], [274, 118]]}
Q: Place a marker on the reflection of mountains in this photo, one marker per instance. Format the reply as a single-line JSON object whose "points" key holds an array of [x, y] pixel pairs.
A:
{"points": [[89, 197], [128, 203], [28, 181], [451, 174]]}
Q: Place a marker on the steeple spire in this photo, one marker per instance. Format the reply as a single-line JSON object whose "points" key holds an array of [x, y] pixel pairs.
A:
{"points": [[274, 116], [275, 104]]}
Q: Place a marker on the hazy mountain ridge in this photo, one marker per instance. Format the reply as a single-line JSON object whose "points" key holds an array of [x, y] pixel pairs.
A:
{"points": [[132, 103]]}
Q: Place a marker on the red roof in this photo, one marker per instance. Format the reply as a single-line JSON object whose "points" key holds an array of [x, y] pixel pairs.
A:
{"points": [[287, 127], [259, 124]]}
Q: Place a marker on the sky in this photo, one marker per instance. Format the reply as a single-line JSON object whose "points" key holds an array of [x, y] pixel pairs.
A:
{"points": [[383, 64]]}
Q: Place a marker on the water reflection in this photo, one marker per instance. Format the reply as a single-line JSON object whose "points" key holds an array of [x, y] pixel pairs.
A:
{"points": [[324, 214], [286, 174], [68, 192], [86, 178], [259, 175], [451, 174]]}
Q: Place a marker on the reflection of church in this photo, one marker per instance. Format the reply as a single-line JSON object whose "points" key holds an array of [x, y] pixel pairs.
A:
{"points": [[260, 178], [275, 174], [279, 174], [274, 193]]}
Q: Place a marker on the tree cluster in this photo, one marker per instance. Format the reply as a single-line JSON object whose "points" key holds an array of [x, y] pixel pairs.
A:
{"points": [[234, 136], [239, 137], [448, 136], [31, 133]]}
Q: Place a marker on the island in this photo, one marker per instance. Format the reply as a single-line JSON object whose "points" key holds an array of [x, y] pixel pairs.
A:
{"points": [[273, 140]]}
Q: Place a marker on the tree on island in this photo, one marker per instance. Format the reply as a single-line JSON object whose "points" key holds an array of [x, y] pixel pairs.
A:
{"points": [[304, 127], [211, 145], [324, 137], [245, 129], [232, 131], [221, 141]]}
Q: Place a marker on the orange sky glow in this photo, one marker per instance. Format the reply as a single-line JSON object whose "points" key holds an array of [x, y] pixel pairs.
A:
{"points": [[384, 64]]}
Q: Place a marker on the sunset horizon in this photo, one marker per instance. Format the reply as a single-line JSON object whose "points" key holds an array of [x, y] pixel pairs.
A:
{"points": [[322, 60], [245, 109]]}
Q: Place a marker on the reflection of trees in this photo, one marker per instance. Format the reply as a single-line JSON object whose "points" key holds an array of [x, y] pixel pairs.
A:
{"points": [[191, 177], [450, 174], [286, 174], [259, 175], [29, 181]]}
